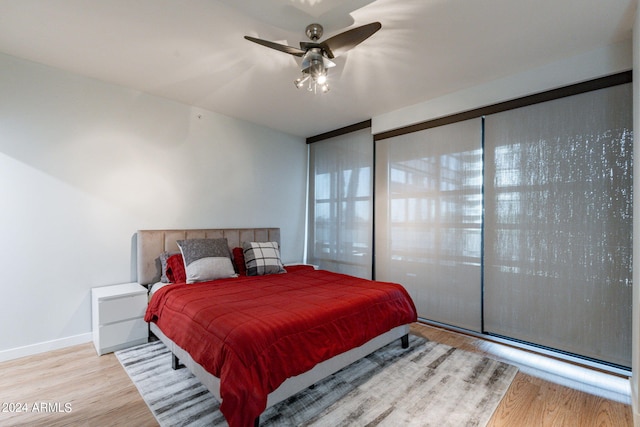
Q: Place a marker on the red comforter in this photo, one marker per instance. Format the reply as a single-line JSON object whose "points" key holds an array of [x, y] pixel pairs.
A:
{"points": [[255, 332]]}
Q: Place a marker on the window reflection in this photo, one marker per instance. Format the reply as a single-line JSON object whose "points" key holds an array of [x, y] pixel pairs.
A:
{"points": [[341, 196], [429, 214], [558, 227], [560, 203], [343, 202], [436, 208]]}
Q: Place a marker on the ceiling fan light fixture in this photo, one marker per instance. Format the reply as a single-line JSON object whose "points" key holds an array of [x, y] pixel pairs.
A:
{"points": [[316, 57], [300, 81], [315, 81], [322, 78], [314, 71]]}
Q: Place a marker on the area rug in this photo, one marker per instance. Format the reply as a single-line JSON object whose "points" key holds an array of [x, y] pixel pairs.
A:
{"points": [[428, 384]]}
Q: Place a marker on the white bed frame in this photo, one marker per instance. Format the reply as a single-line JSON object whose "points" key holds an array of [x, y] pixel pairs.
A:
{"points": [[151, 243]]}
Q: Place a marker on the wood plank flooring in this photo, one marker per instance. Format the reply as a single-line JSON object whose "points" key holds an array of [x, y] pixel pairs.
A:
{"points": [[98, 392], [97, 389], [531, 401]]}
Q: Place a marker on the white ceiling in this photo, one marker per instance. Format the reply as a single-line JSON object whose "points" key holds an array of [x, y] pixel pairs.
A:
{"points": [[193, 51]]}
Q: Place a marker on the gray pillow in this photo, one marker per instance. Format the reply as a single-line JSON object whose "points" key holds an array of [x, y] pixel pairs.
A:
{"points": [[206, 259], [164, 256]]}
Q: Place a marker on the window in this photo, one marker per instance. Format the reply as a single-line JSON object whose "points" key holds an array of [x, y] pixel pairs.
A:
{"points": [[429, 219], [558, 224], [340, 209], [513, 220]]}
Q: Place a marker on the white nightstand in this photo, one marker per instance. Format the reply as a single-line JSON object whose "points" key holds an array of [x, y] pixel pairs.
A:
{"points": [[118, 316]]}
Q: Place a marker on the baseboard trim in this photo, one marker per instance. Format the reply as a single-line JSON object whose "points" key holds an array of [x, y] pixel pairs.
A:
{"points": [[43, 347]]}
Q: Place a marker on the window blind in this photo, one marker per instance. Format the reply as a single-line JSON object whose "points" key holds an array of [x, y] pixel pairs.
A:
{"points": [[558, 226], [428, 225], [341, 203]]}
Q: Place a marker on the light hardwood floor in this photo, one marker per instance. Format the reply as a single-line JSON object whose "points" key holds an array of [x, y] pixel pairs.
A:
{"points": [[531, 401], [98, 392]]}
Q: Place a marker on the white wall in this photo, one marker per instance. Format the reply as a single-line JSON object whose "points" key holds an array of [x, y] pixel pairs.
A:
{"points": [[84, 164], [586, 66]]}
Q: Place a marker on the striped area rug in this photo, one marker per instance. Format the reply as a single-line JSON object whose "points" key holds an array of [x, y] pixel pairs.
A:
{"points": [[428, 384]]}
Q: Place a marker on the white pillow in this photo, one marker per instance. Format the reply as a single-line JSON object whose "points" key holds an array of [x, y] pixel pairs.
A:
{"points": [[209, 268], [206, 259]]}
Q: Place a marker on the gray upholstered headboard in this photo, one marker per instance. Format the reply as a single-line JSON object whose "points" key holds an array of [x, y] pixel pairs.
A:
{"points": [[151, 243]]}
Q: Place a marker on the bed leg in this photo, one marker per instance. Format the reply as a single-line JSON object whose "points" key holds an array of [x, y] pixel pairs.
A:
{"points": [[405, 341], [256, 422], [175, 362]]}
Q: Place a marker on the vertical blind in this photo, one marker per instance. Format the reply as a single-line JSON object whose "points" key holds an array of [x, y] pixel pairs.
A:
{"points": [[429, 219], [558, 226], [341, 204]]}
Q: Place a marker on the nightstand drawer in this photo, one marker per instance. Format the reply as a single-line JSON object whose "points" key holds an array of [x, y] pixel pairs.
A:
{"points": [[117, 334], [121, 308]]}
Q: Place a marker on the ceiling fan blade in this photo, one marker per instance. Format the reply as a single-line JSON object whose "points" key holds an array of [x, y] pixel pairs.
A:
{"points": [[340, 43], [277, 46]]}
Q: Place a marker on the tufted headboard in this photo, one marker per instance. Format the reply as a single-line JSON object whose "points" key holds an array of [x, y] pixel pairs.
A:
{"points": [[151, 243]]}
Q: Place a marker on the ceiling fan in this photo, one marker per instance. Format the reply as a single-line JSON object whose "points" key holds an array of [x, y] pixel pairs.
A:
{"points": [[316, 57]]}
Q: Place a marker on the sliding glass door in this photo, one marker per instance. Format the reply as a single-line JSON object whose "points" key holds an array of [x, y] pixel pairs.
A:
{"points": [[429, 218], [517, 223], [557, 263]]}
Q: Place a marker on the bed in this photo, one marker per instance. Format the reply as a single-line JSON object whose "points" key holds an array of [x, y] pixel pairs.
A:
{"points": [[268, 336]]}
